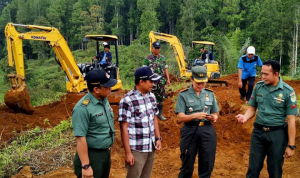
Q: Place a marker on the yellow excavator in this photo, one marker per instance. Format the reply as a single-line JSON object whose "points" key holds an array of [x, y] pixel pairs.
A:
{"points": [[17, 98], [213, 70]]}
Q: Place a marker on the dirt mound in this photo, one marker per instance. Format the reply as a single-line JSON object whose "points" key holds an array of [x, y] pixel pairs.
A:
{"points": [[44, 116], [24, 173], [61, 172], [232, 147]]}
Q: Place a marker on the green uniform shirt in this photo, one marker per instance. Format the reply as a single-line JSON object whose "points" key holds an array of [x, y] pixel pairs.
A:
{"points": [[94, 119], [188, 102], [273, 104]]}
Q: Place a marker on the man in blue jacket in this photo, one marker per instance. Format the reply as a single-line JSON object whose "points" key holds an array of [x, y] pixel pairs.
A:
{"points": [[105, 56], [247, 72]]}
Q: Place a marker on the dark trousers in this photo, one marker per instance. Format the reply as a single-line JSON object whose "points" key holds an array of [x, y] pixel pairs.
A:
{"points": [[100, 162], [243, 91], [205, 143], [271, 144]]}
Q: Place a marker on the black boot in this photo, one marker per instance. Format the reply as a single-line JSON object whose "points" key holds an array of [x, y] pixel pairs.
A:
{"points": [[160, 116]]}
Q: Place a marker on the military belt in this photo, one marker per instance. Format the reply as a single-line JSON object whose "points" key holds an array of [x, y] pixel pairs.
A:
{"points": [[195, 123], [268, 128], [100, 149]]}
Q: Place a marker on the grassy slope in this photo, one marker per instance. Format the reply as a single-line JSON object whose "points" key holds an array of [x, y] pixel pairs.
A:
{"points": [[4, 87]]}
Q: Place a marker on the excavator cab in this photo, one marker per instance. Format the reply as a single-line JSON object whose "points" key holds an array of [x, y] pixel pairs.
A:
{"points": [[209, 62], [213, 69], [113, 68]]}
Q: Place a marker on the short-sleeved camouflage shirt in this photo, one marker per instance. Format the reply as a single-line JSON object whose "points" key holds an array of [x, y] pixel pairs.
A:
{"points": [[158, 65]]}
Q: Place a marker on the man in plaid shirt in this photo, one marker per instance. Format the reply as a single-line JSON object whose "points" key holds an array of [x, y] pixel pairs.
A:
{"points": [[139, 125]]}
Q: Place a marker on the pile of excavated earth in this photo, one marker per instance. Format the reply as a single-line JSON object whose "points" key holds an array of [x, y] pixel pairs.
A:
{"points": [[232, 148]]}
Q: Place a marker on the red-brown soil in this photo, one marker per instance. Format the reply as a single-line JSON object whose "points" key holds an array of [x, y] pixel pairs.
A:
{"points": [[233, 139], [19, 100]]}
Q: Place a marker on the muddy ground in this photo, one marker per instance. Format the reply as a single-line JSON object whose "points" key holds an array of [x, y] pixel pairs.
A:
{"points": [[232, 148]]}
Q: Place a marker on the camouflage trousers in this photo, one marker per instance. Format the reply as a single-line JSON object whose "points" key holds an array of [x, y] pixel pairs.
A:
{"points": [[159, 91]]}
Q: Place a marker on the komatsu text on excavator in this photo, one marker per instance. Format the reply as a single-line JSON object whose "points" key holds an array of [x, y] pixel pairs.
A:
{"points": [[17, 98]]}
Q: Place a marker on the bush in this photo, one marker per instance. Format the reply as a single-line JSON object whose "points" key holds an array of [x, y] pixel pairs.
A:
{"points": [[30, 144]]}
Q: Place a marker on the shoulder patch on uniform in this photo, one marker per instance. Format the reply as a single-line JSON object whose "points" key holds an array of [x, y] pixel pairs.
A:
{"points": [[288, 87], [208, 89], [183, 90], [85, 102]]}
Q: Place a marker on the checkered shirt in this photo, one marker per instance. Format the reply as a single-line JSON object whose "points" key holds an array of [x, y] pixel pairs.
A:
{"points": [[139, 112]]}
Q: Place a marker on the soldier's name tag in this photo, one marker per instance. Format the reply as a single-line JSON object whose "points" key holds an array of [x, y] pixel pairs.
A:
{"points": [[259, 94], [191, 101], [100, 114], [279, 100]]}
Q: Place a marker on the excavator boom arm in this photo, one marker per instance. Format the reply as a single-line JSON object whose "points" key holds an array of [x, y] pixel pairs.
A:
{"points": [[54, 38], [177, 47]]}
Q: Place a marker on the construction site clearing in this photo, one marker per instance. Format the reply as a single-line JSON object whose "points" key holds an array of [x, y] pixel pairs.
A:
{"points": [[233, 139]]}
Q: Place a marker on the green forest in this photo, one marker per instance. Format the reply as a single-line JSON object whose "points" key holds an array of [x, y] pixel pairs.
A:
{"points": [[271, 26]]}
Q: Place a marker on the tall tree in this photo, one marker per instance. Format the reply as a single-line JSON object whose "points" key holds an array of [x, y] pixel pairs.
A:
{"points": [[149, 19], [187, 24], [116, 25]]}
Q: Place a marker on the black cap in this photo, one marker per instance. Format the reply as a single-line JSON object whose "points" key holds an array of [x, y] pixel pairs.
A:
{"points": [[156, 44], [146, 74], [99, 77]]}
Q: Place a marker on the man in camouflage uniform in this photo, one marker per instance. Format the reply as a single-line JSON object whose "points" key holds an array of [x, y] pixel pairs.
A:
{"points": [[158, 65]]}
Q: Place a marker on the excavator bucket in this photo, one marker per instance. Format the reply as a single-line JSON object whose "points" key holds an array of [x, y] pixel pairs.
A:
{"points": [[17, 98], [115, 96]]}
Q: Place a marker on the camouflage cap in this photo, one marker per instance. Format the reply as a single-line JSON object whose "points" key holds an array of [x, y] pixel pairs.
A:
{"points": [[199, 74]]}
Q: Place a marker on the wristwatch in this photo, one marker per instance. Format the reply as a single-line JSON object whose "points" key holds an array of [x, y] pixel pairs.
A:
{"points": [[292, 147], [158, 138], [86, 166]]}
